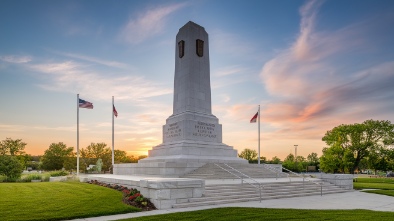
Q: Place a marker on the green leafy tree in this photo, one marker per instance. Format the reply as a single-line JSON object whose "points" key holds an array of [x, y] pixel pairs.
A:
{"points": [[55, 156], [300, 164], [289, 162], [12, 147], [379, 159], [96, 151], [141, 157], [122, 157], [248, 154], [332, 160], [275, 160], [312, 159], [70, 162], [357, 141], [10, 167]]}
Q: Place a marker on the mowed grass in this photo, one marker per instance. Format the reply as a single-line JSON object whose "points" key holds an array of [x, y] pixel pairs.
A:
{"points": [[382, 192], [270, 214], [375, 180], [383, 186], [58, 201], [374, 183]]}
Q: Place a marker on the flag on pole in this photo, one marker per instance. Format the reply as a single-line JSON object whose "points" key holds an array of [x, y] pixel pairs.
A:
{"points": [[114, 110], [85, 104], [254, 118]]}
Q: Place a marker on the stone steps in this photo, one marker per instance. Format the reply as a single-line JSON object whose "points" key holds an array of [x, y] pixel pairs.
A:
{"points": [[212, 171], [222, 194], [232, 193]]}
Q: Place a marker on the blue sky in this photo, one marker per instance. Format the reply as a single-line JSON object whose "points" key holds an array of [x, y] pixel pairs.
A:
{"points": [[311, 65]]}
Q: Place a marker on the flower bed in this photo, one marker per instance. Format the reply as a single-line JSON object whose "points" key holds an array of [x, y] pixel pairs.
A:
{"points": [[131, 196]]}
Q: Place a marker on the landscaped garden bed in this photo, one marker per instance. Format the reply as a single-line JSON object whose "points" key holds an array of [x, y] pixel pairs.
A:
{"points": [[131, 196]]}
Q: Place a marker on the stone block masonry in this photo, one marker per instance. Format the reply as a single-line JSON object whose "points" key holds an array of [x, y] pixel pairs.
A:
{"points": [[162, 192]]}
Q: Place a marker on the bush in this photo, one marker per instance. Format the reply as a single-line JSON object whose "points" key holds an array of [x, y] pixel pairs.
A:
{"points": [[58, 173], [10, 167], [30, 177]]}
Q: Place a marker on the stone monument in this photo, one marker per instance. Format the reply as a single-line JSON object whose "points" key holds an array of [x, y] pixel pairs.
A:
{"points": [[192, 135]]}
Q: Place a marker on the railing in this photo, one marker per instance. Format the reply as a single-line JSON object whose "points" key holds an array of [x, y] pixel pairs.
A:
{"points": [[303, 180], [296, 174], [242, 179], [272, 169]]}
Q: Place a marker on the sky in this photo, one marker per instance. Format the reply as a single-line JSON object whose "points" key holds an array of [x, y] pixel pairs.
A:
{"points": [[311, 65]]}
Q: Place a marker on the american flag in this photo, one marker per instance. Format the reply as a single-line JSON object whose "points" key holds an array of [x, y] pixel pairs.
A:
{"points": [[254, 118], [115, 112], [85, 104]]}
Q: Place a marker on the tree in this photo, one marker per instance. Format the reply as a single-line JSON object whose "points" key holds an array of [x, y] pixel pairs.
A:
{"points": [[12, 147], [10, 167], [288, 162], [70, 162], [248, 154], [55, 156], [379, 159], [96, 151], [275, 160], [356, 141], [312, 159]]}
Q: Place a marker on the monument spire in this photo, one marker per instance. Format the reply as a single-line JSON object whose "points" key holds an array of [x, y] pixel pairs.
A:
{"points": [[192, 87]]}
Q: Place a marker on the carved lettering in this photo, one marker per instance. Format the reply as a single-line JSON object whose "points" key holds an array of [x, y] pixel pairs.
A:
{"points": [[202, 129], [173, 130]]}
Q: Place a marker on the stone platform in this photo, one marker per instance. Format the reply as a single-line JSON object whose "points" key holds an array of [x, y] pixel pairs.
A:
{"points": [[162, 192]]}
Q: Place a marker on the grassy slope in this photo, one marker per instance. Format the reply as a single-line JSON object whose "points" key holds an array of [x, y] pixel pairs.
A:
{"points": [[383, 186], [382, 192], [375, 180], [58, 201], [271, 214]]}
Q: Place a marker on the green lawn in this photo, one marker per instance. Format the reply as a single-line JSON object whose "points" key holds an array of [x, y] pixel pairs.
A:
{"points": [[382, 186], [58, 201], [383, 192], [271, 214], [375, 180]]}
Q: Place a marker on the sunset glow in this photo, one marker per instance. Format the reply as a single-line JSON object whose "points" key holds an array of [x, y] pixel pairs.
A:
{"points": [[311, 65]]}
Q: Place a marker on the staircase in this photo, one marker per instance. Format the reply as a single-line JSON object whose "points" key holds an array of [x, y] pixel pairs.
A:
{"points": [[214, 171], [224, 184], [233, 193]]}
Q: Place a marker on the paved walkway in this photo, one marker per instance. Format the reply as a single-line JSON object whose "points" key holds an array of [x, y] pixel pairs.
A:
{"points": [[345, 201]]}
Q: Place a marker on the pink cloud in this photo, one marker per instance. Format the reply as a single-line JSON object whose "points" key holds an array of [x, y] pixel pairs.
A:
{"points": [[312, 93], [148, 24]]}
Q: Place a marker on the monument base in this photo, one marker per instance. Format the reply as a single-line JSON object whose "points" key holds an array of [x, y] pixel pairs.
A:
{"points": [[178, 158]]}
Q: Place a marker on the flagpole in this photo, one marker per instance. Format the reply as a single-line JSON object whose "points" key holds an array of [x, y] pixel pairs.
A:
{"points": [[258, 159], [113, 154], [77, 134]]}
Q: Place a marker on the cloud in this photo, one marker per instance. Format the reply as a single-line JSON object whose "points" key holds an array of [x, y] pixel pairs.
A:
{"points": [[96, 60], [73, 77], [231, 70], [229, 43], [150, 23], [312, 82], [16, 59]]}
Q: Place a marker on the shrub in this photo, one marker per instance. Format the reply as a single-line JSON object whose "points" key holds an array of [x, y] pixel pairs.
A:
{"points": [[10, 167], [58, 173], [30, 177]]}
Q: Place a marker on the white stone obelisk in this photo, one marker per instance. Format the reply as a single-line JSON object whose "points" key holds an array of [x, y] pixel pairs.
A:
{"points": [[192, 135]]}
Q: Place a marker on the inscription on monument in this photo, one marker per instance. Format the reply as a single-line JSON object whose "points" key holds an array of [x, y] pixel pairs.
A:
{"points": [[202, 129], [173, 130]]}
